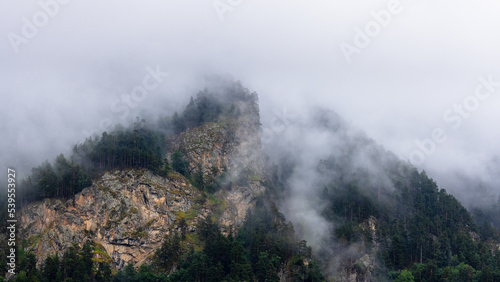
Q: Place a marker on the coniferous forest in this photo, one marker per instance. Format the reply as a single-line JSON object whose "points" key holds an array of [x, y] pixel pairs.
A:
{"points": [[422, 232], [253, 141]]}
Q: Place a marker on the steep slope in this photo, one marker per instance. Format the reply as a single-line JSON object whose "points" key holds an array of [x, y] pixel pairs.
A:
{"points": [[228, 152], [369, 215], [128, 212]]}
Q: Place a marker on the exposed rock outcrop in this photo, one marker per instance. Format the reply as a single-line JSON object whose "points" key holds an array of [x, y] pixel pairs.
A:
{"points": [[128, 213], [231, 150]]}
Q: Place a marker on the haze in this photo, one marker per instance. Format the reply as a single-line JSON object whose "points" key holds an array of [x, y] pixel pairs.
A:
{"points": [[71, 76]]}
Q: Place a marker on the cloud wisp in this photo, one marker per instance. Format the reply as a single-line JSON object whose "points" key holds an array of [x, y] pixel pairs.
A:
{"points": [[65, 64]]}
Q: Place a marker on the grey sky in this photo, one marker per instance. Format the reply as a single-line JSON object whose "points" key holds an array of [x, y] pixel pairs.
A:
{"points": [[65, 79]]}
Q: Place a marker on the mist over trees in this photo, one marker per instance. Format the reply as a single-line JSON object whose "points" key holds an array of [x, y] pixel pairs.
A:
{"points": [[141, 145], [362, 201], [136, 147], [331, 181], [207, 107], [265, 245]]}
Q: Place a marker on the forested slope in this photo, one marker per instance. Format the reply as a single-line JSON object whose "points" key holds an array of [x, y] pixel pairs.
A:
{"points": [[382, 215], [191, 197]]}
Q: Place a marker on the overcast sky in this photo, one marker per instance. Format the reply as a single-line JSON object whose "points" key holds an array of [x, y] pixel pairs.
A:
{"points": [[398, 70]]}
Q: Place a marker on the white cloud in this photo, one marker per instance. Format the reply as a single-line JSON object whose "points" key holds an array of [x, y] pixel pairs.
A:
{"points": [[428, 58]]}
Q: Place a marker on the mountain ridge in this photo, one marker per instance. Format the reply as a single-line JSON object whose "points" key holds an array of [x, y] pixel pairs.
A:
{"points": [[367, 215], [122, 200]]}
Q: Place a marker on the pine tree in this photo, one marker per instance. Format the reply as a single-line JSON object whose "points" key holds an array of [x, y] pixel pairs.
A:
{"points": [[178, 163], [51, 270], [405, 276]]}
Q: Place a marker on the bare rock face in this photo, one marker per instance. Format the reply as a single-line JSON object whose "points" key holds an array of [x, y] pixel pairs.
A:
{"points": [[229, 149], [128, 213], [232, 145]]}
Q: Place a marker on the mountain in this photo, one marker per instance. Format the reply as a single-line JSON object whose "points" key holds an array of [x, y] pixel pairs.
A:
{"points": [[195, 197], [370, 215], [191, 189], [127, 212]]}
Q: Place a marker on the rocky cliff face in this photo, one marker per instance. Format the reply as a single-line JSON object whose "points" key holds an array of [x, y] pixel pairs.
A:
{"points": [[128, 213], [231, 145], [229, 152]]}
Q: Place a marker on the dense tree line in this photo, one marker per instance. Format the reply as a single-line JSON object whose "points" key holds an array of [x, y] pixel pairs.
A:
{"points": [[424, 233], [264, 247], [488, 221], [438, 236], [76, 264], [136, 147], [61, 178], [210, 107], [139, 146]]}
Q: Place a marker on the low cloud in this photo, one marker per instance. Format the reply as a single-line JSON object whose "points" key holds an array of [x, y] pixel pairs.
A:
{"points": [[83, 57]]}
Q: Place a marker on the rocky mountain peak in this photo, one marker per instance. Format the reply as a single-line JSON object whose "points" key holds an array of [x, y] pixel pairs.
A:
{"points": [[127, 213]]}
